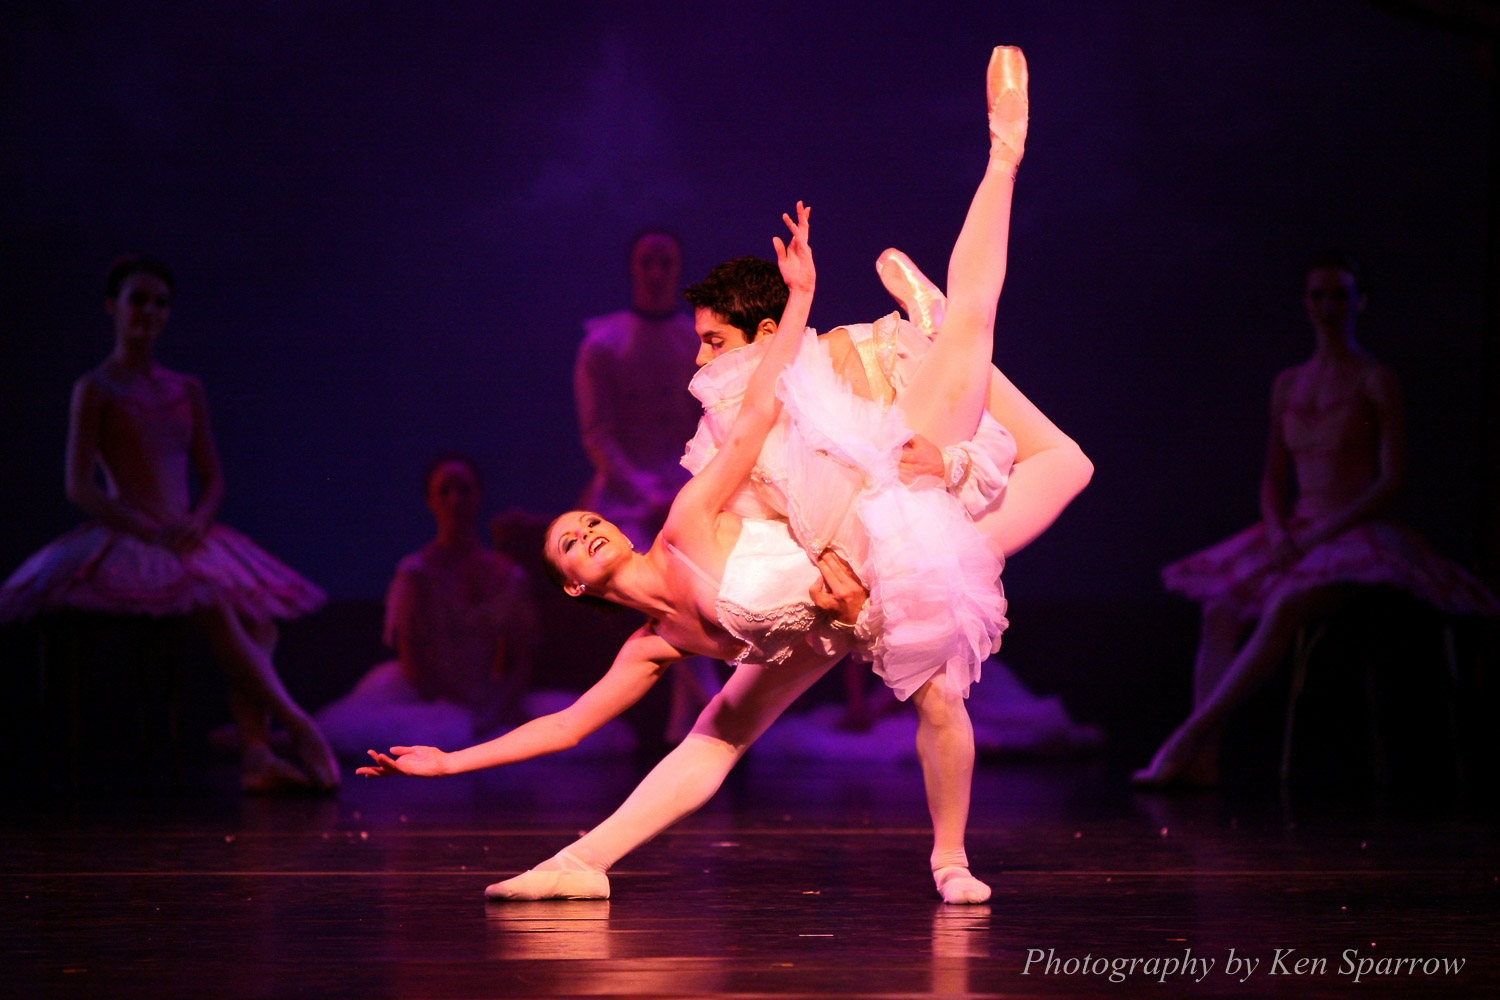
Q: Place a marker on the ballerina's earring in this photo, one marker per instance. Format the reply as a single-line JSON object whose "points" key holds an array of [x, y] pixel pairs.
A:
{"points": [[1006, 84]]}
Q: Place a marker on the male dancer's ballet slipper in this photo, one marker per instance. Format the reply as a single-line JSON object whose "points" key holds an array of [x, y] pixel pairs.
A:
{"points": [[578, 882], [924, 302], [956, 885], [1006, 93]]}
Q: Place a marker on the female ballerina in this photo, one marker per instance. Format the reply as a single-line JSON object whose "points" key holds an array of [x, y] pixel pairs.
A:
{"points": [[1337, 427], [728, 587], [461, 619], [152, 549]]}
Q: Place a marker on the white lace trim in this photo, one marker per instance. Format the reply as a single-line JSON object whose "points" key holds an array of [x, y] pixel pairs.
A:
{"points": [[956, 463], [798, 619]]}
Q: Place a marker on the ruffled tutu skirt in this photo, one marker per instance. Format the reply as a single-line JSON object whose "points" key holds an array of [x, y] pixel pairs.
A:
{"points": [[97, 568], [935, 597], [1237, 573]]}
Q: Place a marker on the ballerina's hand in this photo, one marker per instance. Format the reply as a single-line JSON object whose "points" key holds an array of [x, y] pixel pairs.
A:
{"points": [[419, 762], [185, 536], [147, 529], [795, 258]]}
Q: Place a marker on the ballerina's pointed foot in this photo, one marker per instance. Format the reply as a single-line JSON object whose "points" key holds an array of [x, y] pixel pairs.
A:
{"points": [[316, 756], [956, 885], [1006, 90], [924, 302], [1178, 765], [556, 884], [263, 773]]}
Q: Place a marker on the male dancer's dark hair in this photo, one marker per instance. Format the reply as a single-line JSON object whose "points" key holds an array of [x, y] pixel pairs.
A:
{"points": [[744, 291]]}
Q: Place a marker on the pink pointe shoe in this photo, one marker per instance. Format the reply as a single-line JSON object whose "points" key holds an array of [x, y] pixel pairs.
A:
{"points": [[1006, 93], [923, 301]]}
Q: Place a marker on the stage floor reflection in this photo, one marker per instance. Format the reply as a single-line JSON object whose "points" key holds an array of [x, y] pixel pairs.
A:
{"points": [[794, 882]]}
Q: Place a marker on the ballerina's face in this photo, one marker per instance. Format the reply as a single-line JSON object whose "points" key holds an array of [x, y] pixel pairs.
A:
{"points": [[586, 549], [453, 493], [716, 335], [1333, 299], [142, 307]]}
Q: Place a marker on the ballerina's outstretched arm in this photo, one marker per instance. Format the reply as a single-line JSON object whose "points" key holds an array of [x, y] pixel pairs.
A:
{"points": [[639, 664]]}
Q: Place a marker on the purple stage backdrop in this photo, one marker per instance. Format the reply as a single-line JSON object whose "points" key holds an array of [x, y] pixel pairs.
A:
{"points": [[389, 219]]}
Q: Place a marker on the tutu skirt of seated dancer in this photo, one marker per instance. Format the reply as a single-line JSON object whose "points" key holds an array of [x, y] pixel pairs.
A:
{"points": [[98, 568], [1238, 574]]}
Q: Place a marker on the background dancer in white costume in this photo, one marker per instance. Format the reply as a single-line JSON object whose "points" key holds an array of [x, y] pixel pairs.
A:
{"points": [[462, 621]]}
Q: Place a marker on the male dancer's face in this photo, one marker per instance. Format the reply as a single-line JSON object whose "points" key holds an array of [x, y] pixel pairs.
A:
{"points": [[716, 335]]}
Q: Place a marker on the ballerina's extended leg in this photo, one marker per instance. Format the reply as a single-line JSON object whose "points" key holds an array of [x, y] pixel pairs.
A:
{"points": [[943, 404], [948, 390], [678, 785]]}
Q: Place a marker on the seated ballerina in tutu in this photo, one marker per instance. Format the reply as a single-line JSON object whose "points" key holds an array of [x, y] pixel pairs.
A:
{"points": [[1336, 428], [152, 549], [463, 624], [738, 587]]}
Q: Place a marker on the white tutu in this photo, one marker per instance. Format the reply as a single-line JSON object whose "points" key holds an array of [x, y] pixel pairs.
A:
{"points": [[935, 597]]}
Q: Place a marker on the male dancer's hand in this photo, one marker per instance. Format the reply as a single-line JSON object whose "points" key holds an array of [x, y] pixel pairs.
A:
{"points": [[919, 458], [839, 592]]}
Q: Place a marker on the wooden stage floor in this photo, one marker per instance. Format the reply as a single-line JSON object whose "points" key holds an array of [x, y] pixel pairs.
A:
{"points": [[794, 882]]}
